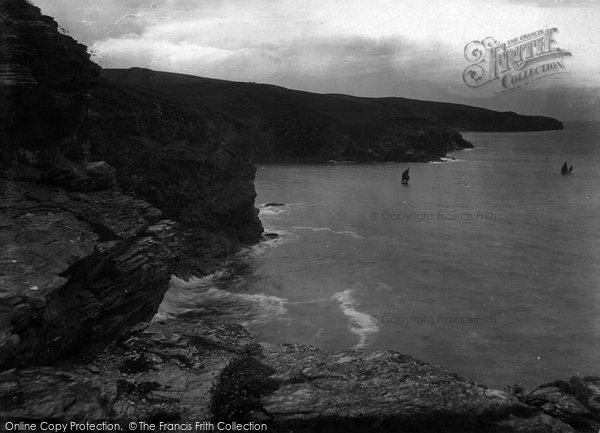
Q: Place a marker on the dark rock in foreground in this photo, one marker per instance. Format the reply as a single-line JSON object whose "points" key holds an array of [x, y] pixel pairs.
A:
{"points": [[102, 174], [167, 369], [88, 242], [575, 401], [76, 268], [178, 370], [386, 391], [45, 80]]}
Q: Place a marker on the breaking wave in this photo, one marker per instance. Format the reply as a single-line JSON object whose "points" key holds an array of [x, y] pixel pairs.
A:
{"points": [[327, 229], [361, 323], [209, 297]]}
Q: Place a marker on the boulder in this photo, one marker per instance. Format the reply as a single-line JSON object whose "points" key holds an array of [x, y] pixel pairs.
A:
{"points": [[385, 391], [575, 401], [102, 174]]}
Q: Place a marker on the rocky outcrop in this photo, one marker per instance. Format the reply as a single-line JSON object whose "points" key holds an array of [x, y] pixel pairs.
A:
{"points": [[180, 371], [575, 401], [102, 174], [359, 390], [77, 269], [302, 136], [45, 80], [405, 139], [290, 125], [81, 259], [80, 262], [167, 371], [196, 166]]}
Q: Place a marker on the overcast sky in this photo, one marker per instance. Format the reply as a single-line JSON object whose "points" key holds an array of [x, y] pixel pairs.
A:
{"points": [[406, 48]]}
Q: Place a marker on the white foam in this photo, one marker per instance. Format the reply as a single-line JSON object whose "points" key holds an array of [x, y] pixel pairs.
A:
{"points": [[361, 323], [269, 302], [445, 159], [383, 287], [201, 295], [323, 229], [272, 211]]}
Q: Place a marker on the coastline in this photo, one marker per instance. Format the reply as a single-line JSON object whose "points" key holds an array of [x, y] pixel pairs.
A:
{"points": [[105, 200], [202, 371]]}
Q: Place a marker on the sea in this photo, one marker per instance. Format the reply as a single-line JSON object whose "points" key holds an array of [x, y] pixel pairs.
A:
{"points": [[487, 263]]}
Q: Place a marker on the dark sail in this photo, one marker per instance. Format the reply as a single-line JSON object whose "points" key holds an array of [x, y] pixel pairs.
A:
{"points": [[405, 176], [564, 169]]}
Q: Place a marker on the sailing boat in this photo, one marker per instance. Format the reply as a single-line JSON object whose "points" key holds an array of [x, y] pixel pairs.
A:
{"points": [[405, 177], [565, 169]]}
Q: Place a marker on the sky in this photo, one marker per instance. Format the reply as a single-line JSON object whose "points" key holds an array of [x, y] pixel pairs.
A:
{"points": [[407, 48]]}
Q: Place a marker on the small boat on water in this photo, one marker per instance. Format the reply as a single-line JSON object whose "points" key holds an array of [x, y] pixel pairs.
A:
{"points": [[405, 177], [565, 169]]}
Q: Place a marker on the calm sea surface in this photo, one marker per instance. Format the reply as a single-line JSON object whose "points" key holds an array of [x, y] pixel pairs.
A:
{"points": [[488, 265]]}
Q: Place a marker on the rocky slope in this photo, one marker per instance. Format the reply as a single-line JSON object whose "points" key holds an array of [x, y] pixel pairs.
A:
{"points": [[181, 372], [196, 166], [45, 80], [76, 268], [102, 198], [293, 125], [87, 247]]}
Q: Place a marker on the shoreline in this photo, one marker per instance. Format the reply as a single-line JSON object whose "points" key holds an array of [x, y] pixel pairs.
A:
{"points": [[108, 190], [178, 371]]}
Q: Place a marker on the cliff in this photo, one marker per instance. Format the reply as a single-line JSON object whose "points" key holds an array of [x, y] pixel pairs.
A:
{"points": [[194, 165], [293, 125], [102, 200]]}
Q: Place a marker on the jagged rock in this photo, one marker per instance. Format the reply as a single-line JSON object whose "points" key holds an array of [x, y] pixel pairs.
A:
{"points": [[195, 166], [164, 370], [575, 401], [95, 266], [45, 81], [174, 370], [102, 174], [81, 266], [205, 370], [358, 390], [46, 393]]}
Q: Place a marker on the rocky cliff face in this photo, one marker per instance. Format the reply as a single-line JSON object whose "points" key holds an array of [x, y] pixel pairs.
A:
{"points": [[82, 259], [196, 166], [290, 125], [45, 80], [77, 269], [306, 136]]}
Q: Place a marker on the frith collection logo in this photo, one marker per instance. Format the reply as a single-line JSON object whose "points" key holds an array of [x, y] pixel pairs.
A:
{"points": [[514, 63]]}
